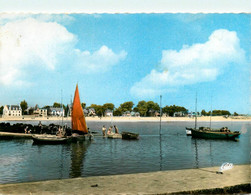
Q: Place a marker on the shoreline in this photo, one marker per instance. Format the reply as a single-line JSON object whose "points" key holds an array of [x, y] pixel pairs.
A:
{"points": [[134, 119], [201, 180]]}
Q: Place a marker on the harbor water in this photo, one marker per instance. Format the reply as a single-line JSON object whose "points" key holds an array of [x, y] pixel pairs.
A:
{"points": [[158, 149]]}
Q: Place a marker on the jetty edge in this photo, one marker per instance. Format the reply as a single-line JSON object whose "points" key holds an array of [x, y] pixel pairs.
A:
{"points": [[201, 180]]}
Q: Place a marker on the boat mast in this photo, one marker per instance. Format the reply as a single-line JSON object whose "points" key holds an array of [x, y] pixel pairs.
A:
{"points": [[211, 112], [62, 107], [160, 112], [195, 112]]}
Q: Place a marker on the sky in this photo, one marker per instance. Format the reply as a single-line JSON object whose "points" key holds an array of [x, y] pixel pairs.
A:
{"points": [[116, 58]]}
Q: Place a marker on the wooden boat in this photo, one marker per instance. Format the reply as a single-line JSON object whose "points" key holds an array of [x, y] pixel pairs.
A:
{"points": [[214, 134], [49, 139], [129, 135], [114, 136]]}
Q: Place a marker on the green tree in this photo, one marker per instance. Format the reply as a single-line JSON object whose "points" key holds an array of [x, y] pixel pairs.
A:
{"points": [[204, 113], [1, 110], [24, 106], [141, 108], [236, 114], [56, 105], [118, 112], [170, 110], [126, 106], [151, 106], [83, 105], [99, 110], [31, 111], [109, 106]]}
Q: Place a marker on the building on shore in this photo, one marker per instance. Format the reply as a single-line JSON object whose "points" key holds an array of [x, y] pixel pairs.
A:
{"points": [[40, 112], [56, 111], [12, 111]]}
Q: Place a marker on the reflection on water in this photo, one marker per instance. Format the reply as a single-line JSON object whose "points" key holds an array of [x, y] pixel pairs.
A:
{"points": [[78, 151], [21, 161]]}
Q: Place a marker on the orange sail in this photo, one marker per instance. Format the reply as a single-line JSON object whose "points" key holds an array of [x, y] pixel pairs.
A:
{"points": [[78, 117]]}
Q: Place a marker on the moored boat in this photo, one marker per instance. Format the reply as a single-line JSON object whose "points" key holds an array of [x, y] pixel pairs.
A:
{"points": [[49, 139], [129, 135], [215, 134], [188, 131]]}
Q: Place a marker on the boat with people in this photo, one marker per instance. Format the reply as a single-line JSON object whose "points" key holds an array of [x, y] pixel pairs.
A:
{"points": [[208, 133], [79, 131]]}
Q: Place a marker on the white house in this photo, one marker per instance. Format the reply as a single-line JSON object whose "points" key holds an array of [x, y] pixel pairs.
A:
{"points": [[56, 111], [108, 112], [12, 110]]}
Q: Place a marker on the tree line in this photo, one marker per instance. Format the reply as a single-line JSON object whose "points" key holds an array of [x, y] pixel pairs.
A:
{"points": [[144, 108]]}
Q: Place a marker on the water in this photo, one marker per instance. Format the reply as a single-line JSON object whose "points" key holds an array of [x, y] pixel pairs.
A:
{"points": [[21, 161]]}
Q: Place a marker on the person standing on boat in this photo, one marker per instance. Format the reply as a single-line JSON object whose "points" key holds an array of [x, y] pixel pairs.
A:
{"points": [[116, 129], [103, 130]]}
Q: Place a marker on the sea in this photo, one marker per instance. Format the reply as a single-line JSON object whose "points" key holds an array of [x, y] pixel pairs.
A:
{"points": [[161, 146]]}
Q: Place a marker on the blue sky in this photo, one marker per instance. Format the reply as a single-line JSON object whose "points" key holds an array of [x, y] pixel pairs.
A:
{"points": [[127, 57]]}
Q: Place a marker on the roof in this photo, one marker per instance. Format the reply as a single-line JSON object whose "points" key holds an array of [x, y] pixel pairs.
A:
{"points": [[14, 107]]}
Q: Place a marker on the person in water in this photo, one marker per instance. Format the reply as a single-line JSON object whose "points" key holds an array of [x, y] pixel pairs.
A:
{"points": [[109, 130], [116, 129], [103, 130]]}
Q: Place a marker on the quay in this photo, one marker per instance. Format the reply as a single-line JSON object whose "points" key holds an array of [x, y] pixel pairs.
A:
{"points": [[188, 181]]}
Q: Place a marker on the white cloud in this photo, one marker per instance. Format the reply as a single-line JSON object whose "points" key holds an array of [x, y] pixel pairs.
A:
{"points": [[31, 45], [59, 18], [99, 61], [192, 64]]}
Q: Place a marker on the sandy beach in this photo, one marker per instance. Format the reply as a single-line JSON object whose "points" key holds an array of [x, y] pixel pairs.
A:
{"points": [[134, 119]]}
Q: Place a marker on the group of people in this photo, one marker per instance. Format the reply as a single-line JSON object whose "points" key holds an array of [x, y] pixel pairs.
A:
{"points": [[110, 130]]}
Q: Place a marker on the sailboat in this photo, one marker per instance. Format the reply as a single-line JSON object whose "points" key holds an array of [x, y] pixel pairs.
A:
{"points": [[209, 133], [79, 127]]}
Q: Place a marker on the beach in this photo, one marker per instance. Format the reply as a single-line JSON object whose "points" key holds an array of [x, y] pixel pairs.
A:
{"points": [[135, 119]]}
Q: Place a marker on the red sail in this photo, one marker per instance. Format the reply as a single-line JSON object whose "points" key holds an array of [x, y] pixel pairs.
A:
{"points": [[78, 117]]}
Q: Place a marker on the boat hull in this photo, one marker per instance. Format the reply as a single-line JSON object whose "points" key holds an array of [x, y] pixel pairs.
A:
{"points": [[214, 135], [114, 136], [49, 139], [129, 136]]}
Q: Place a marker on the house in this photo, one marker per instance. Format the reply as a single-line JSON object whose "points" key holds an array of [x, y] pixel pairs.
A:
{"points": [[40, 112], [179, 114], [85, 112], [127, 113], [153, 112], [91, 112], [56, 111], [12, 110], [136, 114], [108, 112]]}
